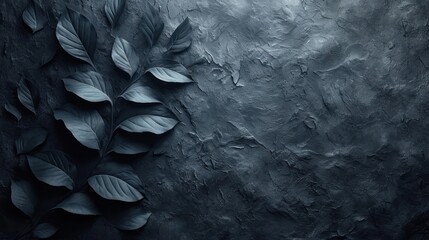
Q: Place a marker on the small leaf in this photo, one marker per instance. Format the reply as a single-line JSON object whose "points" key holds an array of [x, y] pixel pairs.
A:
{"points": [[124, 56], [35, 17], [115, 181], [127, 145], [130, 219], [53, 168], [114, 9], [180, 40], [44, 230], [30, 139], [79, 204], [23, 197], [25, 96], [151, 26], [77, 36], [138, 93], [13, 110], [87, 126], [89, 86]]}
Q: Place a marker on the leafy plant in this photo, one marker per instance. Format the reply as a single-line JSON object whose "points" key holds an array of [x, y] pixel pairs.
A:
{"points": [[109, 180]]}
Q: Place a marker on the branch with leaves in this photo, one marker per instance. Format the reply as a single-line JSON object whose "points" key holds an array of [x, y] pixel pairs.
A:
{"points": [[109, 180]]}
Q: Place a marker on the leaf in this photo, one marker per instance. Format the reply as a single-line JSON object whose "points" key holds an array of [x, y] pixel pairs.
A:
{"points": [[79, 204], [127, 145], [89, 86], [77, 36], [35, 17], [148, 123], [114, 188], [13, 110], [170, 71], [115, 181], [156, 120], [87, 126], [23, 197], [180, 40], [130, 219], [53, 168], [25, 97], [44, 230], [151, 26], [30, 139], [114, 9], [124, 56], [138, 93]]}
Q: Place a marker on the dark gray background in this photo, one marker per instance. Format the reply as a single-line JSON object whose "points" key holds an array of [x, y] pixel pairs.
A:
{"points": [[308, 119]]}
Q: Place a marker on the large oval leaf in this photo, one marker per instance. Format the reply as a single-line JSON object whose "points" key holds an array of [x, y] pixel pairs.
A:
{"points": [[34, 17], [130, 219], [122, 144], [77, 36], [116, 181], [114, 188], [13, 110], [151, 26], [170, 71], [44, 230], [124, 56], [23, 196], [80, 204], [114, 9], [138, 93], [87, 126], [180, 40], [148, 123], [25, 96], [156, 119], [53, 168], [30, 139], [89, 86]]}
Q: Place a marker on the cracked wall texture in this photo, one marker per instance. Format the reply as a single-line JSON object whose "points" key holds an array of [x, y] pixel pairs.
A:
{"points": [[308, 119]]}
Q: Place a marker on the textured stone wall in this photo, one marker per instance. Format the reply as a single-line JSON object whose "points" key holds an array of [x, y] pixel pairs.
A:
{"points": [[308, 119]]}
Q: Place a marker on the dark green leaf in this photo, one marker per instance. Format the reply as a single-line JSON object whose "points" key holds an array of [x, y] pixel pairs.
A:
{"points": [[87, 126], [122, 144], [114, 181], [130, 219], [25, 96], [53, 168], [180, 40], [30, 139], [77, 36], [151, 26], [44, 230], [35, 17], [80, 204], [138, 93], [114, 9], [124, 56], [13, 110], [89, 86], [23, 197]]}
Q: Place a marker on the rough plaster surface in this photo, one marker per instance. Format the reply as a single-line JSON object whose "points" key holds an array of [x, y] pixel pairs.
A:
{"points": [[308, 119]]}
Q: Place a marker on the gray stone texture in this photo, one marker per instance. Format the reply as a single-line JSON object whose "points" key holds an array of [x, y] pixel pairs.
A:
{"points": [[309, 119]]}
